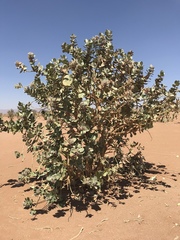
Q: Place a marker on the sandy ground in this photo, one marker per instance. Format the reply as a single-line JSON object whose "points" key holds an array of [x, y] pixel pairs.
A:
{"points": [[146, 213]]}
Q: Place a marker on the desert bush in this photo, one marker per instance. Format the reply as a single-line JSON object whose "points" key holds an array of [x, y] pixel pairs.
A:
{"points": [[1, 121], [11, 114], [94, 99]]}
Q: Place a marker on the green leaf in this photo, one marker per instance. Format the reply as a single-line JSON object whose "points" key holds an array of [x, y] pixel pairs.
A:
{"points": [[19, 85], [67, 81], [81, 150], [81, 95], [72, 140]]}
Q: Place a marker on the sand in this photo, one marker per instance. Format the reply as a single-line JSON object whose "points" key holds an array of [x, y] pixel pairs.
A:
{"points": [[145, 212]]}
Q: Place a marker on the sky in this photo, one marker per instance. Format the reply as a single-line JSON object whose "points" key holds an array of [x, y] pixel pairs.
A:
{"points": [[150, 28]]}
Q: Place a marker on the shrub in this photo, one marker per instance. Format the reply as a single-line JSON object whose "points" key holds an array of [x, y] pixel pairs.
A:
{"points": [[11, 114], [94, 100]]}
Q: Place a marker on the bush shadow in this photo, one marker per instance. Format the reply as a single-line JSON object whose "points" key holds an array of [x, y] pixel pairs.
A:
{"points": [[116, 192]]}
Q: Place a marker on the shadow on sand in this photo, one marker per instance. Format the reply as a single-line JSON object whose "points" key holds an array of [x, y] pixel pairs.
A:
{"points": [[115, 193]]}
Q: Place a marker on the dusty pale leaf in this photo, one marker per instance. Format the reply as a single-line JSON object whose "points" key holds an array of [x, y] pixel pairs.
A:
{"points": [[67, 81]]}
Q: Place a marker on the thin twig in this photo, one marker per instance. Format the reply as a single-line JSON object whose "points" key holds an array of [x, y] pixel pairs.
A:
{"points": [[46, 228], [78, 233], [103, 220], [13, 217], [70, 210], [149, 134]]}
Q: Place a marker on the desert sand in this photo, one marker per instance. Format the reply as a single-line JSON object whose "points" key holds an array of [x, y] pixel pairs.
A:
{"points": [[146, 212]]}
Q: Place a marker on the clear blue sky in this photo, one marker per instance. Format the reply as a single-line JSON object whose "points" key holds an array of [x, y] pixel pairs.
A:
{"points": [[151, 28]]}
